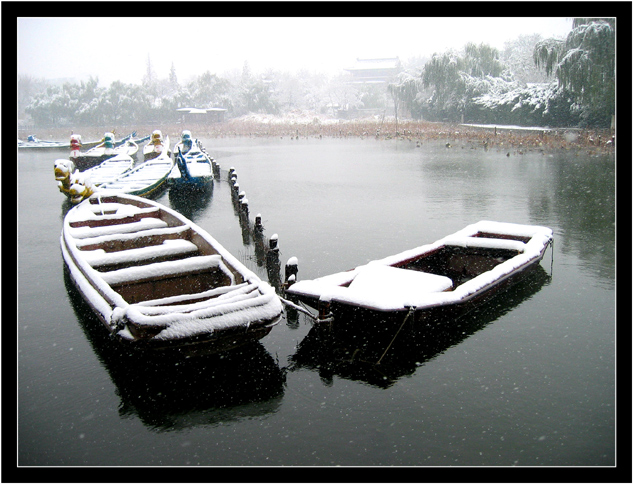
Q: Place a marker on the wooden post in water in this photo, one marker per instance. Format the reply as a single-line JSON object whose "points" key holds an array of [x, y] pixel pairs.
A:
{"points": [[292, 268], [273, 243]]}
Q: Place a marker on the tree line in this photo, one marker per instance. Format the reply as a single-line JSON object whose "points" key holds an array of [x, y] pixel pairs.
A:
{"points": [[531, 82]]}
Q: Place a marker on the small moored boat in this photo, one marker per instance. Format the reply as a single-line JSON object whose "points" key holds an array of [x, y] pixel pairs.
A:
{"points": [[145, 179], [194, 164], [103, 151], [157, 280], [450, 275]]}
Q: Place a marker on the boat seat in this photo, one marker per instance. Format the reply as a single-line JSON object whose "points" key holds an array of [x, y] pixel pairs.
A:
{"points": [[116, 242], [163, 270], [142, 224], [169, 248], [387, 284]]}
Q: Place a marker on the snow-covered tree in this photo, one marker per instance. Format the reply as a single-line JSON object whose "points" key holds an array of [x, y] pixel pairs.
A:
{"points": [[584, 64]]}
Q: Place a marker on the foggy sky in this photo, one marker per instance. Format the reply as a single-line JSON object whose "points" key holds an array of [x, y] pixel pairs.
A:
{"points": [[118, 48]]}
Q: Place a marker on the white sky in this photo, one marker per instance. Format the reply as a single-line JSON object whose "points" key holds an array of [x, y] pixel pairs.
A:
{"points": [[117, 48]]}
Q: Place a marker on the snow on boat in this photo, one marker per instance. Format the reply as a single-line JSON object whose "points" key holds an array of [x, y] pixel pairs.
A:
{"points": [[157, 280], [454, 273], [103, 151], [146, 178], [110, 170], [193, 162], [78, 185]]}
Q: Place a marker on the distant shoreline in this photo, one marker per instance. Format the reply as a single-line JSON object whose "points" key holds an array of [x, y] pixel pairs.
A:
{"points": [[514, 139]]}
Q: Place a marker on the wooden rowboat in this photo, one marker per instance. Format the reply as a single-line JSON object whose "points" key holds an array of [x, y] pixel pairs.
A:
{"points": [[451, 275], [157, 280], [145, 179]]}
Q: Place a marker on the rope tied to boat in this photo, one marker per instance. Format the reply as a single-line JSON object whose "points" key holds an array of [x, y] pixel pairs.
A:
{"points": [[316, 319], [411, 311]]}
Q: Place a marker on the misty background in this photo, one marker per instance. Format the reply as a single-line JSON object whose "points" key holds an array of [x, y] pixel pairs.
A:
{"points": [[105, 71]]}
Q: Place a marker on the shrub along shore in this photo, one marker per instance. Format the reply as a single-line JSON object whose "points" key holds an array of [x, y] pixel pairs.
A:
{"points": [[512, 140]]}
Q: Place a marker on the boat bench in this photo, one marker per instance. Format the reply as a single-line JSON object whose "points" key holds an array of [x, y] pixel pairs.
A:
{"points": [[143, 238], [165, 279], [143, 224], [168, 250]]}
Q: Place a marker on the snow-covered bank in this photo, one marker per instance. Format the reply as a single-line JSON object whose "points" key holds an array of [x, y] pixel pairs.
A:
{"points": [[301, 125]]}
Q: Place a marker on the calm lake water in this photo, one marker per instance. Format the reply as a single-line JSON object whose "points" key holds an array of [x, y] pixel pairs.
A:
{"points": [[527, 381]]}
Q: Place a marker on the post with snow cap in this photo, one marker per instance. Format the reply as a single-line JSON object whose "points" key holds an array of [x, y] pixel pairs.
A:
{"points": [[244, 205], [273, 243], [273, 268], [292, 268], [258, 223]]}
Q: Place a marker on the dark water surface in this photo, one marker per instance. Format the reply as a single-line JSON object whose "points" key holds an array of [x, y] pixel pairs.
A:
{"points": [[527, 381]]}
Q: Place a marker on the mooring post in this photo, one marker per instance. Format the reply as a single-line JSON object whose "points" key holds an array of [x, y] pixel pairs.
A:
{"points": [[292, 268], [258, 222], [273, 243]]}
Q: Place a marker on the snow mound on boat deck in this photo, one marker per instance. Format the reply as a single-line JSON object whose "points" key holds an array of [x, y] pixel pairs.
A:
{"points": [[392, 286]]}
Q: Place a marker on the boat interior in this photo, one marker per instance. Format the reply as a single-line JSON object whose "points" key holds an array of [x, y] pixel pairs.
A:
{"points": [[460, 264], [148, 253]]}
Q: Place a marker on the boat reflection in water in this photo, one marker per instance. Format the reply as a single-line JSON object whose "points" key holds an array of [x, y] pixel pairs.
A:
{"points": [[379, 352], [191, 201], [169, 392]]}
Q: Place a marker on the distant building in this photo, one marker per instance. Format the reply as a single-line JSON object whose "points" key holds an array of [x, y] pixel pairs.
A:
{"points": [[202, 115], [375, 70]]}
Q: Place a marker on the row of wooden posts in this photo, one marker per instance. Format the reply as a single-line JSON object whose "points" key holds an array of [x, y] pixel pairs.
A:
{"points": [[272, 251]]}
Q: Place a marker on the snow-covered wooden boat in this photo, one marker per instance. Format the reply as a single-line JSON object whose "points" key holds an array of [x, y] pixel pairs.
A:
{"points": [[102, 152], [145, 179], [78, 185], [110, 169], [453, 274], [194, 165], [157, 280]]}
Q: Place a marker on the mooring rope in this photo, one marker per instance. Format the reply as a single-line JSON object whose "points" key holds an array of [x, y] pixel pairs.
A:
{"points": [[316, 319], [411, 311]]}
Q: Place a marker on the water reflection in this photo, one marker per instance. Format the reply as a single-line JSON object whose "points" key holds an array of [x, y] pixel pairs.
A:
{"points": [[167, 392], [583, 200], [374, 352], [191, 201]]}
